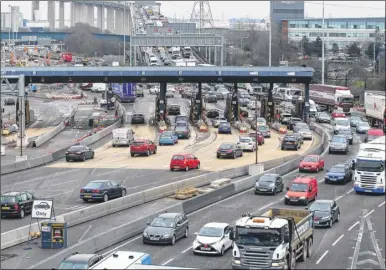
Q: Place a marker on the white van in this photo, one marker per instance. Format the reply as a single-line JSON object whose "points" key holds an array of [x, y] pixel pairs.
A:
{"points": [[99, 87], [122, 136], [115, 64], [341, 124], [153, 61]]}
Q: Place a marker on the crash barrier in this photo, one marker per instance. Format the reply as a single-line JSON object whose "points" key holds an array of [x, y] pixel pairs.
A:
{"points": [[45, 159], [42, 139], [219, 183], [115, 235], [66, 96], [2, 150], [202, 126], [20, 235], [242, 127]]}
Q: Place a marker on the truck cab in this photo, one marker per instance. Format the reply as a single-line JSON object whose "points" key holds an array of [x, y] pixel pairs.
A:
{"points": [[275, 240], [369, 165]]}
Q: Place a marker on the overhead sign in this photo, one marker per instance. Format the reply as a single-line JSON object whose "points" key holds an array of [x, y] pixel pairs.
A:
{"points": [[42, 209]]}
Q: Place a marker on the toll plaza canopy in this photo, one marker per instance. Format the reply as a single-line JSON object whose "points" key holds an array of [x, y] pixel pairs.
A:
{"points": [[162, 74]]}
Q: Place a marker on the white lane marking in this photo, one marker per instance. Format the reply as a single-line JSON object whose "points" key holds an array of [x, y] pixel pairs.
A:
{"points": [[356, 223], [375, 244], [268, 205], [320, 181], [348, 192], [61, 183], [321, 258], [58, 194], [85, 233], [189, 248], [369, 213], [184, 175], [93, 171], [118, 247], [337, 240], [107, 172], [165, 263], [340, 197], [358, 242], [46, 177], [381, 204]]}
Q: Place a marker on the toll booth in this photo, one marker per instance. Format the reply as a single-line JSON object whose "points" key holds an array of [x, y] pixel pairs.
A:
{"points": [[54, 235]]}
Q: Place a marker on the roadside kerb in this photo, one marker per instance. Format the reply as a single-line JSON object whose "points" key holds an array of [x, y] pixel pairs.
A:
{"points": [[130, 229]]}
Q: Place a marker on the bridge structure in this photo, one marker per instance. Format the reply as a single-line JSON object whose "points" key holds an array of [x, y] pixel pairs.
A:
{"points": [[165, 75]]}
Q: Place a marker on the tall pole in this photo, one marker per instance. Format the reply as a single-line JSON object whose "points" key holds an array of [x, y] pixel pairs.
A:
{"points": [[257, 141], [270, 34], [10, 26], [323, 46], [124, 33], [374, 57]]}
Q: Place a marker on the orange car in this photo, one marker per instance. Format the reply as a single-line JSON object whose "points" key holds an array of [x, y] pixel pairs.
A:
{"points": [[302, 190]]}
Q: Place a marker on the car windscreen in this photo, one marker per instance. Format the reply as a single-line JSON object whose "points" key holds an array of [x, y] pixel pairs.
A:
{"points": [[178, 157], [268, 178], [73, 265], [299, 187], [166, 135], [226, 146], [138, 143], [224, 124], [304, 130], [323, 207], [210, 232], [296, 120], [263, 128], [76, 148], [345, 132], [337, 139], [310, 159], [244, 140], [95, 185], [8, 199], [163, 222], [324, 115], [337, 169], [363, 124], [181, 128], [289, 139]]}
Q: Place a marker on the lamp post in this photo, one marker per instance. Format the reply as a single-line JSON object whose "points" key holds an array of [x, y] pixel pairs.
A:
{"points": [[323, 45], [10, 26], [270, 35], [124, 33], [256, 140]]}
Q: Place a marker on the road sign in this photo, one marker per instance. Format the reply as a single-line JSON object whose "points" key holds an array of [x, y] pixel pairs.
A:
{"points": [[42, 209]]}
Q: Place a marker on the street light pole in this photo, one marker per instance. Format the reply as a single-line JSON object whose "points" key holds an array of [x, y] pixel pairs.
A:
{"points": [[124, 33], [270, 34], [256, 140], [323, 46], [10, 26]]}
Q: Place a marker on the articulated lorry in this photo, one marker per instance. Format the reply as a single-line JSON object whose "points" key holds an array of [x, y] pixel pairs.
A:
{"points": [[332, 96], [275, 240], [124, 92], [375, 108], [369, 166]]}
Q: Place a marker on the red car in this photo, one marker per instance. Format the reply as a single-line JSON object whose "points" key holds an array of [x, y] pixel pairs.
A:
{"points": [[143, 147], [311, 163], [184, 162], [258, 136], [338, 114]]}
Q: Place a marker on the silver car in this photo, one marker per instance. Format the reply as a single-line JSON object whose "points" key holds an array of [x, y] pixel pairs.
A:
{"points": [[306, 133], [338, 144], [216, 122], [300, 125], [362, 127]]}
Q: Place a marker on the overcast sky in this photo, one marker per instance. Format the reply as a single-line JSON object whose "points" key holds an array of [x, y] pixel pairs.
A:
{"points": [[224, 10]]}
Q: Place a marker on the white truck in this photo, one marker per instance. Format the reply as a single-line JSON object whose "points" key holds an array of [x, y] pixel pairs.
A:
{"points": [[332, 96], [186, 52], [122, 136], [369, 166], [175, 52], [375, 108], [275, 240]]}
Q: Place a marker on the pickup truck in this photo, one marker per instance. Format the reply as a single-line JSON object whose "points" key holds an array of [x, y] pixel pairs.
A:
{"points": [[275, 240]]}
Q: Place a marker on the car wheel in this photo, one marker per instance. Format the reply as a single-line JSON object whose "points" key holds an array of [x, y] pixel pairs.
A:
{"points": [[234, 155], [93, 155], [198, 166], [242, 153], [218, 156], [330, 223], [187, 168], [148, 153], [84, 158], [186, 233], [85, 200], [132, 154], [304, 254], [67, 159], [282, 148], [106, 197], [222, 252], [173, 240], [171, 169], [293, 261], [155, 150], [21, 214], [123, 194], [274, 191], [309, 247]]}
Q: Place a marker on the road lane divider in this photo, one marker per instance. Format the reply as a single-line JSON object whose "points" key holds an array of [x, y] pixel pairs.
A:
{"points": [[135, 228]]}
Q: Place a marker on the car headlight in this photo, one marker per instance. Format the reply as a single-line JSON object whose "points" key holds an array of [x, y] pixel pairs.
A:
{"points": [[325, 218], [257, 184], [272, 185], [278, 264], [236, 262], [286, 196], [326, 177], [145, 234], [302, 198], [166, 235]]}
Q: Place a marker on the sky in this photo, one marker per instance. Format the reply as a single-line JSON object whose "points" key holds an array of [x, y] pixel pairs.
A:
{"points": [[222, 11]]}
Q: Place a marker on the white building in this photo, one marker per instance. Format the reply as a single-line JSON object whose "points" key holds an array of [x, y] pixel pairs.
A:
{"points": [[12, 20]]}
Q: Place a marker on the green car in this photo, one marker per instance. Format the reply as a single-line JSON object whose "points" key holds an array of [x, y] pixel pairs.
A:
{"points": [[139, 93]]}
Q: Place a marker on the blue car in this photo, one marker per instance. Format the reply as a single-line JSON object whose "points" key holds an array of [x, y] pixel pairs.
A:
{"points": [[224, 128], [339, 173], [168, 137]]}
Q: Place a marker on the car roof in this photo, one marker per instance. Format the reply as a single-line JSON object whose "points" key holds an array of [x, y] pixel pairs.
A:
{"points": [[182, 154], [80, 257], [313, 156], [304, 180], [216, 225], [12, 193], [99, 181], [324, 201], [340, 165], [271, 174], [169, 215]]}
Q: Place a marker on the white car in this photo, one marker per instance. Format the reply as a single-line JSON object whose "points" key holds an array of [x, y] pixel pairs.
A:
{"points": [[218, 121], [103, 102], [306, 133], [247, 143], [154, 90], [213, 238], [341, 124], [252, 105]]}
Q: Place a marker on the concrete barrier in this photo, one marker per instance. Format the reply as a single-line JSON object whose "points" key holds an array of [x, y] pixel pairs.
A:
{"points": [[42, 139], [220, 182]]}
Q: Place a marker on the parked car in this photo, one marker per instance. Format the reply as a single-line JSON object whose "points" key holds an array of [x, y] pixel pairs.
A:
{"points": [[168, 137], [302, 190], [185, 162], [227, 150], [102, 190], [326, 213], [339, 173], [166, 228], [79, 152], [138, 118], [269, 183], [311, 163], [9, 101], [16, 203], [225, 127], [143, 147], [213, 238]]}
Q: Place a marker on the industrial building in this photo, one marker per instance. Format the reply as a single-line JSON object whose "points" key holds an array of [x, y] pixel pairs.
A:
{"points": [[12, 20]]}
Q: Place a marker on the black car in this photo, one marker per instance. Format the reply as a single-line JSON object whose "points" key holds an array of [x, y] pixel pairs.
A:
{"points": [[174, 110], [167, 228], [231, 150], [292, 122], [79, 152], [348, 133], [269, 183], [322, 117], [211, 99], [167, 62], [79, 261], [290, 142], [102, 190], [183, 132], [138, 118], [16, 204], [326, 213], [339, 173], [9, 101], [213, 113]]}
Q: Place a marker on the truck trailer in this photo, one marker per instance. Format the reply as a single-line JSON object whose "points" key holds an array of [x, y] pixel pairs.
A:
{"points": [[124, 92], [332, 96], [375, 108], [275, 240]]}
